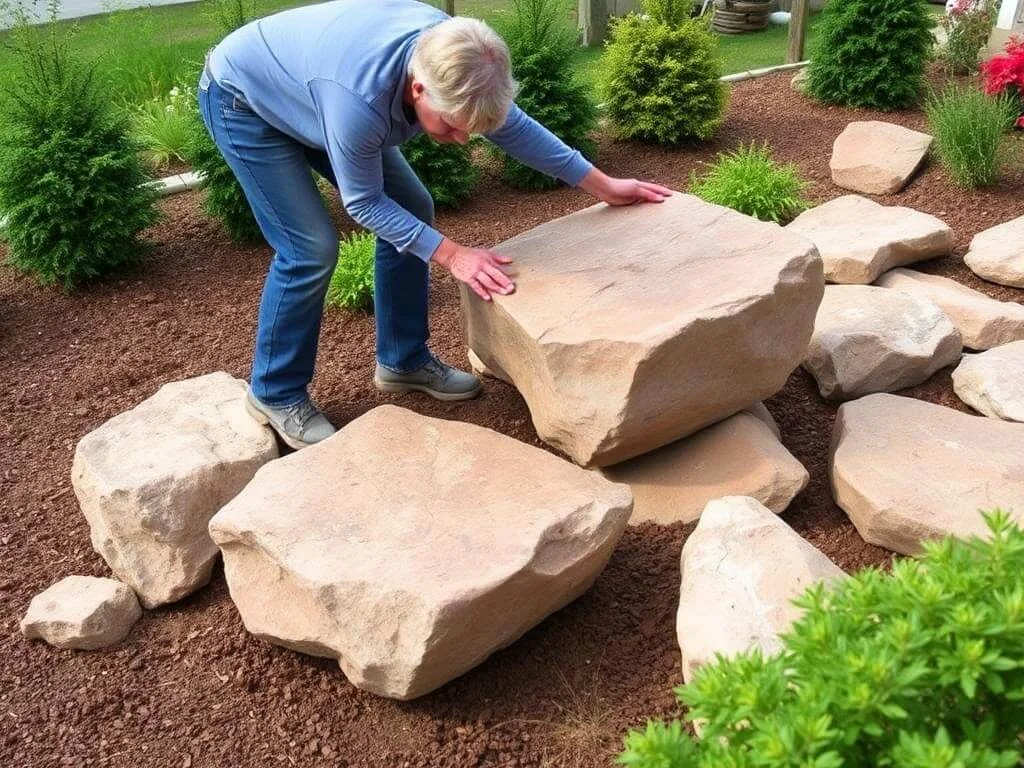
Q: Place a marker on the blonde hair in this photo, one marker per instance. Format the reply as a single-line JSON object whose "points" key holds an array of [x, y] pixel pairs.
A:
{"points": [[466, 72]]}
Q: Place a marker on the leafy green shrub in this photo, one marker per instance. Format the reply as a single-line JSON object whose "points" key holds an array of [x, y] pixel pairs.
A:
{"points": [[71, 183], [352, 282], [229, 15], [871, 53], [447, 170], [967, 30], [660, 76], [542, 45], [749, 181], [163, 127], [968, 127], [918, 669]]}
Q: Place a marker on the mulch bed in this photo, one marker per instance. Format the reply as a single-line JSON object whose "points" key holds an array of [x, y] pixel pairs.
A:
{"points": [[189, 686]]}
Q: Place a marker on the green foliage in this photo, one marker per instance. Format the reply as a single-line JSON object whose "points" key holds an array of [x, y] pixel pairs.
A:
{"points": [[542, 45], [749, 181], [229, 15], [871, 53], [163, 126], [918, 669], [968, 127], [71, 183], [967, 31], [352, 282], [447, 170], [660, 77]]}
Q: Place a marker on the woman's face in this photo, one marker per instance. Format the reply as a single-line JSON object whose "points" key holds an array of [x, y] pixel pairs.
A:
{"points": [[444, 129]]}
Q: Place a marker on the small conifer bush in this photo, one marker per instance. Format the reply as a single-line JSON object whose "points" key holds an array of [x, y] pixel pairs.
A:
{"points": [[446, 170]]}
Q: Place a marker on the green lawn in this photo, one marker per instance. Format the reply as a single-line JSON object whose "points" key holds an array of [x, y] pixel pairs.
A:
{"points": [[144, 52]]}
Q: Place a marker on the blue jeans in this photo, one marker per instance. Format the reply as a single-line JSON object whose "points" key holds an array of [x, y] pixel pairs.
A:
{"points": [[275, 172]]}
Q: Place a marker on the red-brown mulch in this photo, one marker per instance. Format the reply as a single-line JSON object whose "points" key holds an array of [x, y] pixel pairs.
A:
{"points": [[189, 687]]}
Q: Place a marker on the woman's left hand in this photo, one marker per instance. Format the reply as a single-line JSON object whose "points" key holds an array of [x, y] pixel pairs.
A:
{"points": [[623, 191]]}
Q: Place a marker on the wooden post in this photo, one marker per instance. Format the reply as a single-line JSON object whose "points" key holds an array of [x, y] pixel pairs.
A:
{"points": [[449, 7], [797, 31], [593, 20]]}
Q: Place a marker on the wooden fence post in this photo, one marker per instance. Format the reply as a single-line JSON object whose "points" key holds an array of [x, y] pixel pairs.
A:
{"points": [[449, 7], [797, 31]]}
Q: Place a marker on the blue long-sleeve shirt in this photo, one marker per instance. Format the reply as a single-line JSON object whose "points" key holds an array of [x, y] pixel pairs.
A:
{"points": [[332, 77]]}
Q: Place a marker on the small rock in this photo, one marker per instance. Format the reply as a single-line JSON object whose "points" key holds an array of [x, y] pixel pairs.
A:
{"points": [[877, 158], [997, 254], [992, 382], [82, 612]]}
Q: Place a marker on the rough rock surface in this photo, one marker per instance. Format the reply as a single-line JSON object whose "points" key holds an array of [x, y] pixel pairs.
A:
{"points": [[411, 548], [82, 612], [741, 568], [740, 456], [877, 158], [869, 339], [150, 479], [983, 322], [905, 470], [608, 336], [860, 239], [992, 382], [997, 254]]}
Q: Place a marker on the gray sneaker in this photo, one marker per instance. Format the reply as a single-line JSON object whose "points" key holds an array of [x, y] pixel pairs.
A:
{"points": [[438, 380], [299, 425]]}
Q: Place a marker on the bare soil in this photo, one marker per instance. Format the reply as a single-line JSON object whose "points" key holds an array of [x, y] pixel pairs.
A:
{"points": [[189, 686]]}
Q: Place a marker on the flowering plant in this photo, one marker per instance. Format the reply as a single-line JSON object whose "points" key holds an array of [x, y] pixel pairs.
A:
{"points": [[1004, 73], [967, 24]]}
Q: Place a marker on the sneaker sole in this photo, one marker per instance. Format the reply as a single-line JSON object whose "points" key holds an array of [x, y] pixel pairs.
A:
{"points": [[395, 386], [262, 418]]}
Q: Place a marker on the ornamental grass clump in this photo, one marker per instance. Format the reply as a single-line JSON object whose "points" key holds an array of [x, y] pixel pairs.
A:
{"points": [[660, 76], [969, 129], [542, 43], [446, 170], [162, 126], [72, 186], [351, 285], [920, 668], [751, 182], [871, 53]]}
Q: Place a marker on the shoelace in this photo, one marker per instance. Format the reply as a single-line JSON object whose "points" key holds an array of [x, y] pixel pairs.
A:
{"points": [[436, 367], [302, 412]]}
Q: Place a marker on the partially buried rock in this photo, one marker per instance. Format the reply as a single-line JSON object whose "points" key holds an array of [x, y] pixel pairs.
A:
{"points": [[905, 470], [983, 322], [877, 158], [860, 239], [741, 569], [634, 327], [997, 254], [410, 548], [150, 479], [869, 339], [82, 612], [740, 456], [992, 382]]}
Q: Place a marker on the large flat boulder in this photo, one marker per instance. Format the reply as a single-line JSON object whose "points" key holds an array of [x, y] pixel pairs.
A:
{"points": [[150, 479], [869, 339], [905, 470], [410, 548], [82, 612], [741, 569], [860, 239], [992, 382], [739, 456], [634, 327], [997, 254], [983, 322], [877, 158]]}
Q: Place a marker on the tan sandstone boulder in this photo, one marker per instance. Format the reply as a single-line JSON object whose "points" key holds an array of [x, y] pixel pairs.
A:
{"points": [[739, 456], [82, 612], [150, 479], [997, 254], [411, 548], [869, 339], [877, 158], [992, 382], [741, 569], [860, 239], [905, 470], [634, 327], [983, 322]]}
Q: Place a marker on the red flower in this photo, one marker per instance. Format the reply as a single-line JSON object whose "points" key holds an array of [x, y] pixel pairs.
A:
{"points": [[1005, 70]]}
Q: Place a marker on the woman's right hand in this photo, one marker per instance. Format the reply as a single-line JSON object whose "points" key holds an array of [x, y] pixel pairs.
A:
{"points": [[480, 269]]}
